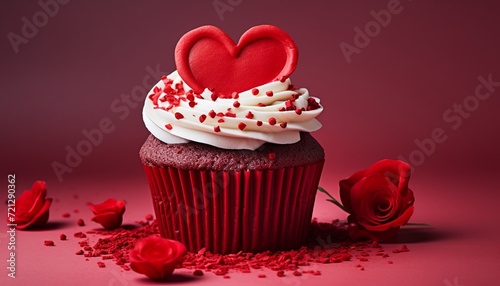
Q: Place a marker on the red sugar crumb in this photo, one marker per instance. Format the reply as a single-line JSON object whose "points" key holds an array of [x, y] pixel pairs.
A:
{"points": [[260, 104], [217, 129], [297, 273], [269, 93], [101, 264], [214, 96], [262, 276], [283, 124], [241, 126], [149, 217], [280, 273], [202, 118], [272, 121], [62, 237], [259, 123], [212, 113], [178, 115], [235, 95], [198, 272], [66, 215], [220, 120], [298, 111], [272, 156], [80, 222], [48, 243], [79, 252], [168, 126], [249, 115], [236, 104], [255, 91]]}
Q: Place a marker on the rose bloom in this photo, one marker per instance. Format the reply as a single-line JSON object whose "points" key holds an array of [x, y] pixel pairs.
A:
{"points": [[378, 200], [156, 257], [109, 214], [32, 208]]}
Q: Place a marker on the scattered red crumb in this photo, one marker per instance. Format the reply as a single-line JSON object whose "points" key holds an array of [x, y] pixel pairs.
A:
{"points": [[272, 156], [149, 217], [62, 237], [272, 121], [255, 91], [48, 243], [226, 276], [269, 93], [262, 276], [327, 243], [217, 129], [79, 234], [259, 123], [168, 126], [80, 222], [66, 215], [236, 104], [283, 124], [101, 264]]}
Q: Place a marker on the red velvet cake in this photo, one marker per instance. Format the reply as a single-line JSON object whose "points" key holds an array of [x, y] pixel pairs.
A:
{"points": [[230, 162]]}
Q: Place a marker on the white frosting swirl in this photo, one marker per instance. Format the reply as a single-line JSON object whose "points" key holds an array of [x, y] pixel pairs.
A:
{"points": [[174, 115]]}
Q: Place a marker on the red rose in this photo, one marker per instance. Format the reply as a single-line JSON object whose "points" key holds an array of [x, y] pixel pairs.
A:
{"points": [[378, 200], [156, 257], [32, 208], [109, 213]]}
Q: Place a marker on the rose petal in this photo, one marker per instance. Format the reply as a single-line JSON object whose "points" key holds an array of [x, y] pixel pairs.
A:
{"points": [[345, 189], [108, 220], [398, 171]]}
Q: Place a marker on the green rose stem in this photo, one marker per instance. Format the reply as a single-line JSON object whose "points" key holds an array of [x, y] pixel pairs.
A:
{"points": [[332, 199], [338, 204]]}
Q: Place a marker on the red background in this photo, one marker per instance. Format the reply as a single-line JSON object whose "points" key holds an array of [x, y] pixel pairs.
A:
{"points": [[394, 92]]}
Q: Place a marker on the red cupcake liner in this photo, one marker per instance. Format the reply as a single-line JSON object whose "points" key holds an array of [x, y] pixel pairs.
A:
{"points": [[226, 212]]}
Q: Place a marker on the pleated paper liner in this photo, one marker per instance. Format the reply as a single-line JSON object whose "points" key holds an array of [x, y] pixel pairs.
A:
{"points": [[226, 212]]}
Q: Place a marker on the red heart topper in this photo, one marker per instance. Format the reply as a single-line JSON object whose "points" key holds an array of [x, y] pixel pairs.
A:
{"points": [[206, 57]]}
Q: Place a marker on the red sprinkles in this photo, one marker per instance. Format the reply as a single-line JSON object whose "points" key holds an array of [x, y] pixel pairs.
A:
{"points": [[178, 115], [327, 243], [255, 91]]}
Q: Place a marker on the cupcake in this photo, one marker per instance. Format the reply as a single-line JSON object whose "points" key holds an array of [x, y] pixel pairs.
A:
{"points": [[230, 161]]}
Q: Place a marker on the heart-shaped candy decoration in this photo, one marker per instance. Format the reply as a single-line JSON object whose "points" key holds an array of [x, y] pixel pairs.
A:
{"points": [[206, 57]]}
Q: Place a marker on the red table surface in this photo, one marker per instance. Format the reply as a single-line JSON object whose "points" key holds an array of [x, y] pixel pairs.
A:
{"points": [[460, 247]]}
